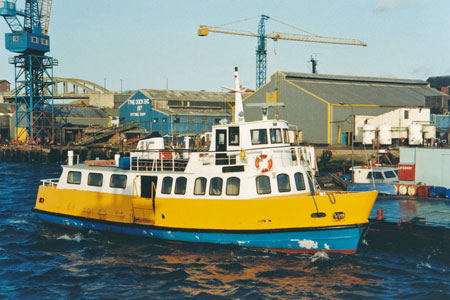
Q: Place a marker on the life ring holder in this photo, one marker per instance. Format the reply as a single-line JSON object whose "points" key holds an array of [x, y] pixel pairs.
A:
{"points": [[269, 163]]}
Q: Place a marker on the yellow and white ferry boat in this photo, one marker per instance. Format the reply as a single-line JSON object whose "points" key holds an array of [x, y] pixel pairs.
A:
{"points": [[252, 188]]}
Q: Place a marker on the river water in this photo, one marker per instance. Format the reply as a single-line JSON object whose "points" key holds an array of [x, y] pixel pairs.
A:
{"points": [[39, 261]]}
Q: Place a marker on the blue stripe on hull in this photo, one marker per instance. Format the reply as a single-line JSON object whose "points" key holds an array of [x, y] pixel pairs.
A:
{"points": [[343, 240]]}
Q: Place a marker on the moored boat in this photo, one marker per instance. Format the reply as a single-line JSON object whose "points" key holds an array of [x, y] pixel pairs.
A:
{"points": [[252, 188], [374, 177]]}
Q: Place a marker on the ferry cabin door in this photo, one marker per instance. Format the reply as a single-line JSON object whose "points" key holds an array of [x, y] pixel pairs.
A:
{"points": [[221, 145], [144, 206]]}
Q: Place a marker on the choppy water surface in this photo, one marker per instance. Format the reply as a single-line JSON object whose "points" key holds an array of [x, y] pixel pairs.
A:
{"points": [[45, 262]]}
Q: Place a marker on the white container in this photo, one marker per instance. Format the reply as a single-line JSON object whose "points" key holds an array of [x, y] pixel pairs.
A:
{"points": [[368, 134], [415, 135], [429, 131], [385, 134]]}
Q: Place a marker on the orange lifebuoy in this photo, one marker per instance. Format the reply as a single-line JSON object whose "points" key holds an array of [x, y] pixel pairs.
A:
{"points": [[269, 163]]}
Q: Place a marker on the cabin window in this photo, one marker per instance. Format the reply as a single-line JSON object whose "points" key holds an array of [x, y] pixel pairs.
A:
{"points": [[95, 179], [299, 181], [166, 187], [35, 40], [74, 177], [263, 185], [180, 186], [233, 184], [118, 181], [389, 174], [376, 175], [233, 136], [259, 136], [283, 183], [200, 186], [275, 136], [286, 136], [215, 186]]}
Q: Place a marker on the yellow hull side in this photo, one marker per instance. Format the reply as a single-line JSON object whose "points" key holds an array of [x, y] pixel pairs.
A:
{"points": [[291, 211]]}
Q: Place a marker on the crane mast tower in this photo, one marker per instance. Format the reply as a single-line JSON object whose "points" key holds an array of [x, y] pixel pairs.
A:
{"points": [[33, 95]]}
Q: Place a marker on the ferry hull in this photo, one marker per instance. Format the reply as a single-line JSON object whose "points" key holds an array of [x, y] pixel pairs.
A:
{"points": [[339, 239]]}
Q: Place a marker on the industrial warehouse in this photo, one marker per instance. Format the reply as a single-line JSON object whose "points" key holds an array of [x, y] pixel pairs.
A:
{"points": [[330, 109]]}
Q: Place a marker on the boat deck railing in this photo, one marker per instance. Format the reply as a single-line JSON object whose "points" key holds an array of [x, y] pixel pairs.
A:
{"points": [[53, 182], [177, 161]]}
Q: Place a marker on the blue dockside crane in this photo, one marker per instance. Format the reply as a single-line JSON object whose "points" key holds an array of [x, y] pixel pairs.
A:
{"points": [[33, 69]]}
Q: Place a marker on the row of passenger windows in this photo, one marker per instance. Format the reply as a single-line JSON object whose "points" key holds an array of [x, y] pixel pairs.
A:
{"points": [[215, 184], [96, 179]]}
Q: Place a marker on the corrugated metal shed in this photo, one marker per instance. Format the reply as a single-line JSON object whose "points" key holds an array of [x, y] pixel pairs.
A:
{"points": [[77, 115], [158, 95], [194, 112], [359, 90]]}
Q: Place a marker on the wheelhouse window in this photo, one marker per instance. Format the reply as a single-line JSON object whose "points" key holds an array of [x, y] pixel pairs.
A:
{"points": [[74, 177], [166, 187], [200, 186], [299, 181], [95, 179], [180, 186], [233, 184], [259, 136], [376, 175], [286, 136], [263, 185], [389, 174], [283, 183], [118, 181], [233, 136], [215, 186], [275, 136]]}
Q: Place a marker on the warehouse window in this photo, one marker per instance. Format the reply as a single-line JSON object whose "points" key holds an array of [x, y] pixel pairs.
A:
{"points": [[406, 114], [190, 120], [166, 187], [118, 181], [155, 120], [95, 179], [204, 120], [176, 120], [216, 121], [74, 177], [164, 120]]}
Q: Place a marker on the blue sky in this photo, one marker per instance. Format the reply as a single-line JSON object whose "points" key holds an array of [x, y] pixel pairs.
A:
{"points": [[149, 43]]}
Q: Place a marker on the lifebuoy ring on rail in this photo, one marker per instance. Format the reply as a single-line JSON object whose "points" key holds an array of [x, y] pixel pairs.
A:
{"points": [[269, 163]]}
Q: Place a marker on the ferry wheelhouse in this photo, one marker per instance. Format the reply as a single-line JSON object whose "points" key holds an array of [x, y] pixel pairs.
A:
{"points": [[251, 188]]}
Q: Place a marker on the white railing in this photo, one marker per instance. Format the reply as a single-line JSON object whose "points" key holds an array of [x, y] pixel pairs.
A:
{"points": [[53, 182]]}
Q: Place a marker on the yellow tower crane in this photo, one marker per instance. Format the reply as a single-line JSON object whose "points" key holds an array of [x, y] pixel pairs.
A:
{"points": [[261, 51], [46, 9]]}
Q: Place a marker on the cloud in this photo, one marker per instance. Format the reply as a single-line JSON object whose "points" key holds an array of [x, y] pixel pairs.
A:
{"points": [[390, 5]]}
